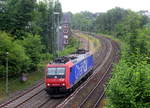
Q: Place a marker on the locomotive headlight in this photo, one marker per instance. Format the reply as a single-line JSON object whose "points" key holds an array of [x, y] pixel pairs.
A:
{"points": [[63, 84], [62, 79], [48, 84]]}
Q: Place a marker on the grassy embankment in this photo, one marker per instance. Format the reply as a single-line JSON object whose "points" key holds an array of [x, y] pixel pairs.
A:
{"points": [[72, 47], [15, 84], [94, 43], [109, 36]]}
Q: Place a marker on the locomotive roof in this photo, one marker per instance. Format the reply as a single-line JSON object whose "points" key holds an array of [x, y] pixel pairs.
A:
{"points": [[79, 55], [74, 58]]}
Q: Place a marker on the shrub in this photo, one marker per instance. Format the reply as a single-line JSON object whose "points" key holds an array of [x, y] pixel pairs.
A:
{"points": [[33, 48], [18, 61], [130, 85]]}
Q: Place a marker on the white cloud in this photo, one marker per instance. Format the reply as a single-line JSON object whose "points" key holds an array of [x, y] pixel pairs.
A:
{"points": [[103, 5]]}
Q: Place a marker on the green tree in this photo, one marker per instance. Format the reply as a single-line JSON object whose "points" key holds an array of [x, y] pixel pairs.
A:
{"points": [[106, 22], [33, 48], [18, 60], [17, 16], [83, 21], [129, 86]]}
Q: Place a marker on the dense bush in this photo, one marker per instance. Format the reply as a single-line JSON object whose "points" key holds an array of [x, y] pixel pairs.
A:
{"points": [[130, 85], [24, 55], [33, 49], [18, 61]]}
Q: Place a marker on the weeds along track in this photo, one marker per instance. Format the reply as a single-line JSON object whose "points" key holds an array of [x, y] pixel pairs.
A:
{"points": [[38, 98], [103, 61]]}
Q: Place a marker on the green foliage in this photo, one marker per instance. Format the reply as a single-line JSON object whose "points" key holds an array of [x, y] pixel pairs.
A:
{"points": [[44, 22], [144, 35], [129, 25], [129, 86], [30, 25], [20, 17], [143, 39], [30, 39], [73, 42], [18, 61], [72, 47], [33, 48], [83, 21], [16, 16], [120, 23], [106, 22], [47, 57], [67, 51]]}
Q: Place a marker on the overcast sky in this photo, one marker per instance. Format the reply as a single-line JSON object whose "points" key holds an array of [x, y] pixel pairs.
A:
{"points": [[103, 5]]}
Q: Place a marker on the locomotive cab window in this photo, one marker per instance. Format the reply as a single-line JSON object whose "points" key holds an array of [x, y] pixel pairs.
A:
{"points": [[58, 72]]}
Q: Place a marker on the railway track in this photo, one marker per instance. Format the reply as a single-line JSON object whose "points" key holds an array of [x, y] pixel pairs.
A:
{"points": [[93, 99], [38, 98], [26, 95]]}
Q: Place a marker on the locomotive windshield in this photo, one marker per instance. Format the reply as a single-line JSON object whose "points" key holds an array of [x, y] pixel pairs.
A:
{"points": [[56, 72]]}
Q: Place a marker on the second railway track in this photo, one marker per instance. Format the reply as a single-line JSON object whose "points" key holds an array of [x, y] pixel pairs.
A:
{"points": [[93, 99]]}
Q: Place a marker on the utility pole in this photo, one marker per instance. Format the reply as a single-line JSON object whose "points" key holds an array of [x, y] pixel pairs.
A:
{"points": [[87, 33], [53, 40], [58, 44], [54, 43], [57, 41], [7, 72]]}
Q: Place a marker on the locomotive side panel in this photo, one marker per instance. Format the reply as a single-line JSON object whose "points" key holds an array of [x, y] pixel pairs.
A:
{"points": [[79, 70]]}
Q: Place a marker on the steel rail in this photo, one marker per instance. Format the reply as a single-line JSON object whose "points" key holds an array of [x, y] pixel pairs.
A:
{"points": [[98, 84], [16, 98], [103, 93]]}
